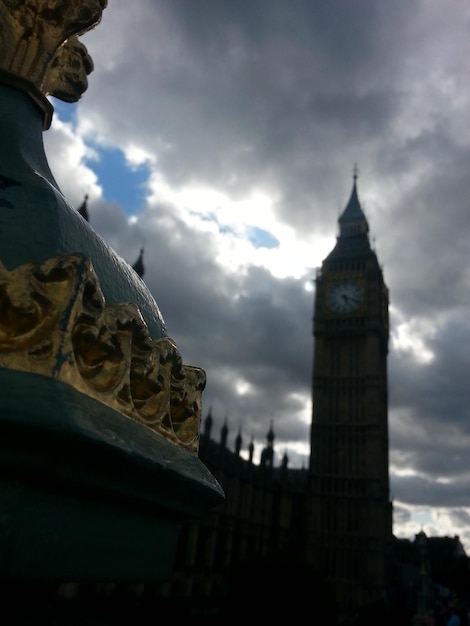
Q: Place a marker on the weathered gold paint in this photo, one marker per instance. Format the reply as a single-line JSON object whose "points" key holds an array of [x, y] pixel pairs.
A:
{"points": [[53, 316], [54, 321], [39, 48]]}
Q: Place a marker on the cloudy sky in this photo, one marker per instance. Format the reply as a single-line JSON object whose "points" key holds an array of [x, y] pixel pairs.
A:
{"points": [[221, 135]]}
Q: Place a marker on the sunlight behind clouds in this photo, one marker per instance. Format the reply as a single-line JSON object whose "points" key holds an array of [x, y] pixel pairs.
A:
{"points": [[247, 170], [243, 387], [246, 231], [67, 156], [412, 335], [403, 471], [434, 522], [304, 401], [135, 155]]}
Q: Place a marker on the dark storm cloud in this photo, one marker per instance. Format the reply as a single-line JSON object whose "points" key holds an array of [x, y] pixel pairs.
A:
{"points": [[439, 386], [434, 437], [284, 97], [234, 326], [252, 87], [462, 518], [237, 327], [401, 514], [422, 491]]}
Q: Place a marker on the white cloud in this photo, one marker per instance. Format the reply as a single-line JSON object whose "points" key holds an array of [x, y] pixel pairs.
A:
{"points": [[413, 336], [249, 121]]}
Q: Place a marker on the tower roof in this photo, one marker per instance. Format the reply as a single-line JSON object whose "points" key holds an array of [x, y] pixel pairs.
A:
{"points": [[83, 209], [270, 435], [353, 212], [139, 264], [353, 238]]}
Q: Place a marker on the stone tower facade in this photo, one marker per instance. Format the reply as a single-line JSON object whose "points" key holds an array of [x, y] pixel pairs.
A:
{"points": [[351, 512], [316, 538]]}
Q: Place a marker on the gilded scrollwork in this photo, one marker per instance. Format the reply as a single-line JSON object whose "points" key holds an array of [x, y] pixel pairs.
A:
{"points": [[39, 48], [67, 78], [54, 321]]}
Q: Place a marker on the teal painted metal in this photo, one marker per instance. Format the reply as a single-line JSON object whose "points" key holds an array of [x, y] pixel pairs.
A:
{"points": [[85, 492], [36, 221]]}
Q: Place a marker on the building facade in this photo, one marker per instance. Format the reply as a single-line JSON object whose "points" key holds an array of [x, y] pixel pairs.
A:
{"points": [[316, 539], [334, 516], [351, 510]]}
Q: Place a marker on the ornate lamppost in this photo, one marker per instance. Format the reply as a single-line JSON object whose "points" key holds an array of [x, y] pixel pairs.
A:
{"points": [[99, 416]]}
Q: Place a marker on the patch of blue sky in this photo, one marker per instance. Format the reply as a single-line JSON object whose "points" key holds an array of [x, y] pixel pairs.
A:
{"points": [[67, 112], [225, 229], [422, 517], [261, 238], [120, 181], [209, 217]]}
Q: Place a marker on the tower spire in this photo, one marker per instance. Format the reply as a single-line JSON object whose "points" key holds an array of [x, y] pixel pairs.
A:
{"points": [[139, 264], [83, 208], [353, 225], [351, 311]]}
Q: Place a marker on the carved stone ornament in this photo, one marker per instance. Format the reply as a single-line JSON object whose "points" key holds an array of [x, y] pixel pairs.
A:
{"points": [[39, 48], [54, 322]]}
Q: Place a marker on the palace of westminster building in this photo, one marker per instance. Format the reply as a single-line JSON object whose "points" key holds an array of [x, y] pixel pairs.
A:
{"points": [[319, 538], [333, 518]]}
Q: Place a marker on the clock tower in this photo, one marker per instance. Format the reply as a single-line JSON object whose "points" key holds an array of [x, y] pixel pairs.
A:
{"points": [[351, 510]]}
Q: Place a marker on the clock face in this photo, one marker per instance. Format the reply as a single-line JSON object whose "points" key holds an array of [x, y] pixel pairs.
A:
{"points": [[344, 297]]}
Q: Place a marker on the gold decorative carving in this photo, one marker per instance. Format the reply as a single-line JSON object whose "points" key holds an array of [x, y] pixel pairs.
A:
{"points": [[39, 48], [54, 321], [67, 76]]}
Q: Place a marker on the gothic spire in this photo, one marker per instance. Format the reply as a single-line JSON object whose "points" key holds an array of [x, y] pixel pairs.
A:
{"points": [[270, 435], [238, 442], [353, 221], [139, 264], [208, 423], [251, 450], [83, 208], [353, 238]]}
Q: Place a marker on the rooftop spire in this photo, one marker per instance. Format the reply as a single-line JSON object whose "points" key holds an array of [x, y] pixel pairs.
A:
{"points": [[270, 434], [353, 236], [353, 212], [83, 208], [139, 264], [223, 434], [238, 442]]}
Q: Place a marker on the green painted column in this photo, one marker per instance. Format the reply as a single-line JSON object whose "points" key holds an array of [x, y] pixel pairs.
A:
{"points": [[99, 415]]}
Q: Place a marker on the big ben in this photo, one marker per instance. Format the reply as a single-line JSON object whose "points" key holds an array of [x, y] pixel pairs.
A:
{"points": [[351, 528]]}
